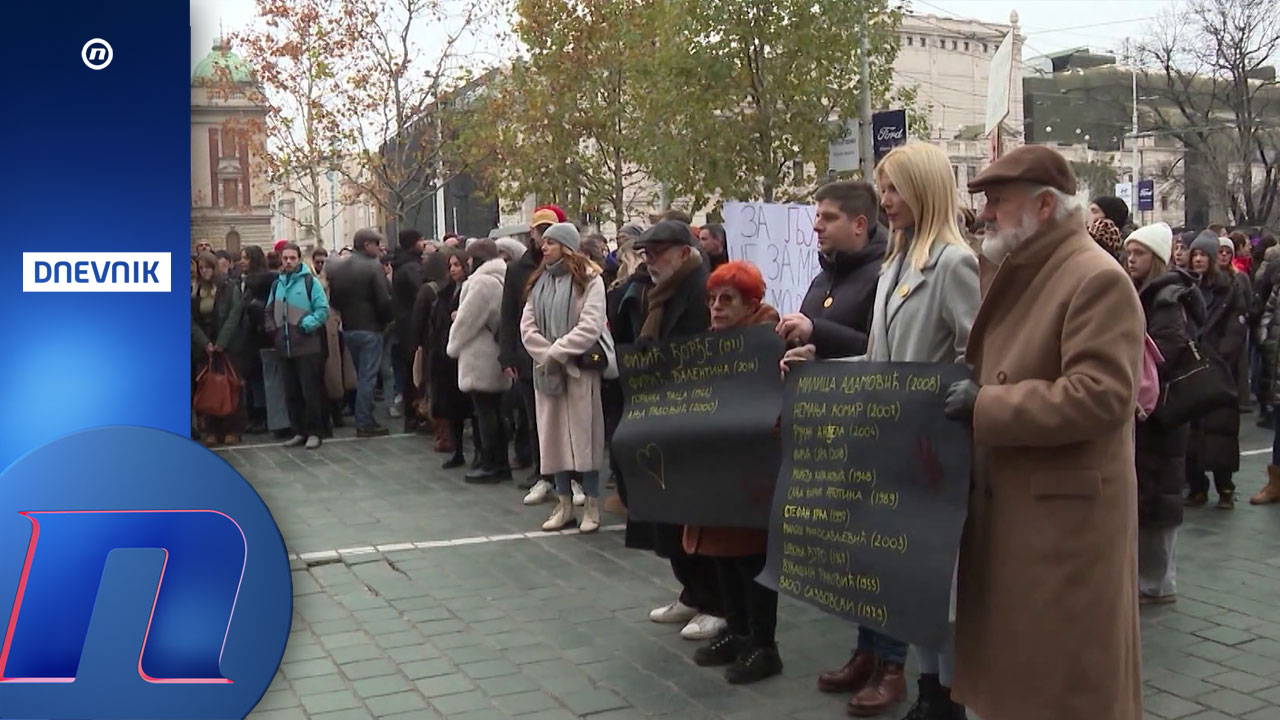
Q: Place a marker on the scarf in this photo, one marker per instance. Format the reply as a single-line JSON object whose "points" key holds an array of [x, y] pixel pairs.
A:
{"points": [[552, 299], [661, 293]]}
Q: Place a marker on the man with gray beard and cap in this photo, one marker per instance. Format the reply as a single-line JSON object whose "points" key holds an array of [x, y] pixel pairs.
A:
{"points": [[1050, 542]]}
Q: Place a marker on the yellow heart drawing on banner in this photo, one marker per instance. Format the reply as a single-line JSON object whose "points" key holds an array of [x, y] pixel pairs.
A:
{"points": [[650, 460]]}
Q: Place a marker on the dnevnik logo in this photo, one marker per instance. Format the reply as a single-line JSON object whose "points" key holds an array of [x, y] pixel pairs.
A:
{"points": [[140, 577]]}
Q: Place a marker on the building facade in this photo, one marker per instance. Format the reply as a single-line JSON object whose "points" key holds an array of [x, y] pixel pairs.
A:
{"points": [[948, 62], [343, 209], [230, 200]]}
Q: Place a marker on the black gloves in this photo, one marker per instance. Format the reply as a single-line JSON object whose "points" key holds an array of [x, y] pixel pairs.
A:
{"points": [[961, 397]]}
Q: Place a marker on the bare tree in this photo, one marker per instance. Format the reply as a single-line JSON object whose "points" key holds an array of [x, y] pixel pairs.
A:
{"points": [[296, 49], [395, 95], [1210, 67]]}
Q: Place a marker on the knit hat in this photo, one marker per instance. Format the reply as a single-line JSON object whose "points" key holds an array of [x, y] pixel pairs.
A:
{"points": [[409, 238], [1157, 238], [631, 231], [547, 215], [1206, 242], [1227, 243], [565, 234], [1114, 208], [279, 244], [1105, 233]]}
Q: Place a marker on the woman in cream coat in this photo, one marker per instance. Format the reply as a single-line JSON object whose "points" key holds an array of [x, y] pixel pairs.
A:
{"points": [[564, 317], [926, 299]]}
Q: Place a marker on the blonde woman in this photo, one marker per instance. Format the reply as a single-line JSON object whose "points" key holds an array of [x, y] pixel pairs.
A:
{"points": [[925, 302]]}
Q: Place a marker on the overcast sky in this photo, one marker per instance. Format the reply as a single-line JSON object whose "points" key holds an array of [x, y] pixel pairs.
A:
{"points": [[1049, 25]]}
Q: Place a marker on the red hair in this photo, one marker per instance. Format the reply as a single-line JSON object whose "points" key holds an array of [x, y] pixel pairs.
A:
{"points": [[741, 276]]}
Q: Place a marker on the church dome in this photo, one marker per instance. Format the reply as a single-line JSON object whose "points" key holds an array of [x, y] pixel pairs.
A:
{"points": [[221, 60]]}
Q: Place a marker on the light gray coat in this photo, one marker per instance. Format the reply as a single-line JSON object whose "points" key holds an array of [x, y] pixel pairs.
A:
{"points": [[926, 315]]}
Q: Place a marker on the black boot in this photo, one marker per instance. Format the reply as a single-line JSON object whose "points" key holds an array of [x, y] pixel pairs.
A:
{"points": [[455, 433], [754, 663], [931, 703], [954, 711]]}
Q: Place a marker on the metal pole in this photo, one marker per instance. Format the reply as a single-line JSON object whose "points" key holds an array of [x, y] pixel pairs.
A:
{"points": [[1137, 171], [868, 152]]}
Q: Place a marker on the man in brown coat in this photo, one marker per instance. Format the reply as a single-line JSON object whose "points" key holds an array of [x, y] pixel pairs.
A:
{"points": [[1047, 607]]}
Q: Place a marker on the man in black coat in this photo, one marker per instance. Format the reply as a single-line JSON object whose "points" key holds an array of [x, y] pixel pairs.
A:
{"points": [[362, 295], [515, 360], [671, 302], [835, 316], [407, 277]]}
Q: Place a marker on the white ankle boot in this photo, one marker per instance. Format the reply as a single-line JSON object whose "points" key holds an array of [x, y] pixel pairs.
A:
{"points": [[590, 516], [561, 516]]}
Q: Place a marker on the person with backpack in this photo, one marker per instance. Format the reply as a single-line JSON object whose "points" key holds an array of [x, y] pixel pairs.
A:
{"points": [[1173, 309], [295, 314]]}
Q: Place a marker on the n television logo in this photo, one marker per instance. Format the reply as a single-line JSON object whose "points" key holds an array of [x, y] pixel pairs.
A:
{"points": [[140, 577]]}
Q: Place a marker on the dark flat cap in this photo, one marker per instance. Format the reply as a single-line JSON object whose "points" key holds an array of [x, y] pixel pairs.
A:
{"points": [[667, 231], [1031, 164]]}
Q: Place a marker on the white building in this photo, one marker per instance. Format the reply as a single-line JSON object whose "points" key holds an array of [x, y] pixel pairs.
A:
{"points": [[948, 62], [343, 207]]}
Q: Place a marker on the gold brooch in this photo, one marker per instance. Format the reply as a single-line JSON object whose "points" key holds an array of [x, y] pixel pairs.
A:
{"points": [[903, 289], [827, 303]]}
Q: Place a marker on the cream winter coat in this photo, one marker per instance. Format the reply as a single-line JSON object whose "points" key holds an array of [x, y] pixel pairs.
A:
{"points": [[570, 426], [473, 335]]}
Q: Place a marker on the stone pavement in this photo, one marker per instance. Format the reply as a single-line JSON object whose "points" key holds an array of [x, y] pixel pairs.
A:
{"points": [[510, 623]]}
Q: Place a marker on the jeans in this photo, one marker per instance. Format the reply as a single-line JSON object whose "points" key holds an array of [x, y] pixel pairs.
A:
{"points": [[882, 646], [590, 483], [938, 662], [366, 355], [751, 609], [391, 375], [493, 430]]}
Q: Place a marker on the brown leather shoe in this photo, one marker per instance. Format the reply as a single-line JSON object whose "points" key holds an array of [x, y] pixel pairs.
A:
{"points": [[852, 677], [886, 688]]}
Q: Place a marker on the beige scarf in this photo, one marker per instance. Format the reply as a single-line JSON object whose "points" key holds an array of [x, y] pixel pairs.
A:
{"points": [[662, 292]]}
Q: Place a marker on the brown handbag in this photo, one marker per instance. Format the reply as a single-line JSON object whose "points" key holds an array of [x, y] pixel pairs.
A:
{"points": [[217, 387]]}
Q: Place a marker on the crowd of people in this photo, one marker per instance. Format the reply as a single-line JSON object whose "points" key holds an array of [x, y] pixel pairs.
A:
{"points": [[1070, 319]]}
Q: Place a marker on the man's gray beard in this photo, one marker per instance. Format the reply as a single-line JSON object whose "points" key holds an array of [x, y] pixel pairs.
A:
{"points": [[998, 244]]}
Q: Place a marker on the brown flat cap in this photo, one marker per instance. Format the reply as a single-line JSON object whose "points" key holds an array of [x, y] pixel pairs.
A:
{"points": [[1030, 163]]}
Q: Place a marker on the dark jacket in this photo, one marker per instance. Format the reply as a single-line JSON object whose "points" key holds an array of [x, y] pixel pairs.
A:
{"points": [[686, 313], [361, 293], [223, 327], [1173, 309], [1267, 280], [1269, 343], [407, 276], [841, 297], [1215, 438], [448, 402], [511, 352], [255, 287]]}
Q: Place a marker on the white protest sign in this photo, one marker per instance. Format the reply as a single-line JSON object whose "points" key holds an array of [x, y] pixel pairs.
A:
{"points": [[778, 239]]}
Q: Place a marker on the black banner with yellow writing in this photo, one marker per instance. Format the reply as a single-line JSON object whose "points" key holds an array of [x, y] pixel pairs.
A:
{"points": [[698, 443], [872, 495]]}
